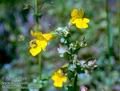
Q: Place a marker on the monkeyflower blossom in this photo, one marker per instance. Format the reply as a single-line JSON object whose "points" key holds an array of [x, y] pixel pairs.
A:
{"points": [[40, 42], [59, 78], [78, 20]]}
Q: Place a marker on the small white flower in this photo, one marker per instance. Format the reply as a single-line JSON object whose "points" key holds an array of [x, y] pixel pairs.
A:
{"points": [[72, 67], [82, 62], [59, 29], [62, 30], [91, 62], [61, 50], [62, 40]]}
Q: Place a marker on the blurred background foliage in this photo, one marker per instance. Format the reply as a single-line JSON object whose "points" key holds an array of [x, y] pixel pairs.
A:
{"points": [[17, 19]]}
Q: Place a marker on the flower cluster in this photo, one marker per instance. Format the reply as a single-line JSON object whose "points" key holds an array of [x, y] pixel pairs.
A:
{"points": [[67, 47]]}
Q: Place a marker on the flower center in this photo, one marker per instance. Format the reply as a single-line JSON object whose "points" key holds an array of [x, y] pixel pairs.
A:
{"points": [[33, 44]]}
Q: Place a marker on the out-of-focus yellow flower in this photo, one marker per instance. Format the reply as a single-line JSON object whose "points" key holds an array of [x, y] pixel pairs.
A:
{"points": [[76, 14], [59, 78], [78, 20], [39, 43]]}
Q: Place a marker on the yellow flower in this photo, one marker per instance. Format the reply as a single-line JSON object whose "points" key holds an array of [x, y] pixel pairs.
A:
{"points": [[39, 43], [76, 14], [82, 23], [59, 78], [78, 20], [40, 36]]}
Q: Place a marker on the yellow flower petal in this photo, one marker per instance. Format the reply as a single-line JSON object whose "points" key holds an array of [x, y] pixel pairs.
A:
{"points": [[78, 23], [35, 47], [54, 77], [41, 36], [86, 20], [47, 36], [36, 34], [75, 13], [72, 20], [59, 71], [43, 44], [35, 51], [58, 84], [85, 25], [81, 23]]}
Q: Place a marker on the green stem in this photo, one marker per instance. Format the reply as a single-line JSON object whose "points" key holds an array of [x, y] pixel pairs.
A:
{"points": [[110, 36], [37, 24], [40, 66], [36, 11], [35, 6], [36, 17], [75, 83], [118, 25]]}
